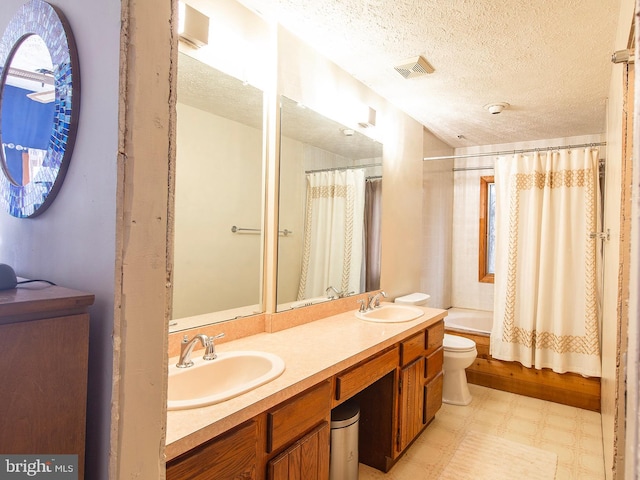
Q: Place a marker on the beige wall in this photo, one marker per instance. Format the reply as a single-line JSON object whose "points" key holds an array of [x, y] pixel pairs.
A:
{"points": [[612, 389], [218, 185], [292, 195], [306, 76]]}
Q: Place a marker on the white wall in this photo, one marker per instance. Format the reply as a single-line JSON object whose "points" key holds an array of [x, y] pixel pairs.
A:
{"points": [[73, 242], [438, 222], [467, 291], [218, 185]]}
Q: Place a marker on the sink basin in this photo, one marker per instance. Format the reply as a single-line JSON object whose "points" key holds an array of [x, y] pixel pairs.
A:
{"points": [[214, 381], [391, 313]]}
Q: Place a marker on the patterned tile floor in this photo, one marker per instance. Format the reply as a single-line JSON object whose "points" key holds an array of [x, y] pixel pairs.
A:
{"points": [[573, 434]]}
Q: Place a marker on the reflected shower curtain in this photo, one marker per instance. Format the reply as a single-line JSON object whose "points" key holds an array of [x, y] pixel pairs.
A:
{"points": [[372, 244], [333, 233], [546, 312]]}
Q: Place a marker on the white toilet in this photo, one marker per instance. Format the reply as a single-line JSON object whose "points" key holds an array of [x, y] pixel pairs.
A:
{"points": [[459, 353]]}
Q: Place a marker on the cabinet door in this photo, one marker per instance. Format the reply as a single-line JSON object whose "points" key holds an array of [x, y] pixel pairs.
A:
{"points": [[230, 456], [433, 397], [411, 403], [307, 459]]}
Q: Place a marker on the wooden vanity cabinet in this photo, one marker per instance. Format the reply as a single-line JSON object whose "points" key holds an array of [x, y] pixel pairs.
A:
{"points": [[298, 434], [229, 456], [420, 383], [307, 459], [44, 339], [398, 407], [398, 390]]}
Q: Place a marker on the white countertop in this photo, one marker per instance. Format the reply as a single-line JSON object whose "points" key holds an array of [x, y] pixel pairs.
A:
{"points": [[312, 352]]}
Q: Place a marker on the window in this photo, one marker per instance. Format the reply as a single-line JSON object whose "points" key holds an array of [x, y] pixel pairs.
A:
{"points": [[487, 253]]}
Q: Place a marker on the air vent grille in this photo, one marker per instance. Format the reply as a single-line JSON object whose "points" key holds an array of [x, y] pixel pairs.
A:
{"points": [[415, 67]]}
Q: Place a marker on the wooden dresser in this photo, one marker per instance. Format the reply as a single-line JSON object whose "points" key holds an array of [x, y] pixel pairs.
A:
{"points": [[44, 340]]}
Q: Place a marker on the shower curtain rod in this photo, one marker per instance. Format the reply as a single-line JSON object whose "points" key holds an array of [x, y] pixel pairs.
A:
{"points": [[344, 168], [526, 150]]}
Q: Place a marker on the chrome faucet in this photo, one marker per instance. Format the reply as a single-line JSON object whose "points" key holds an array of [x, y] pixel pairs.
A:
{"points": [[186, 347], [337, 293], [374, 301]]}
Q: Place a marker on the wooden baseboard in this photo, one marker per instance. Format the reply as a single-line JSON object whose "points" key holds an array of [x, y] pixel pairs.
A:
{"points": [[567, 388]]}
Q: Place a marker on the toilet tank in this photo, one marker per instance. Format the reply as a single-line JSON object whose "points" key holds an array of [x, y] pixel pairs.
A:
{"points": [[421, 299]]}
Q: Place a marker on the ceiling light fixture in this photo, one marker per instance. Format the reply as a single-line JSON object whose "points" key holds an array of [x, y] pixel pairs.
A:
{"points": [[415, 67]]}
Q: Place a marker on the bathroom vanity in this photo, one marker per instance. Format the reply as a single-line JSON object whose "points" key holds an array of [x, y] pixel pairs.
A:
{"points": [[281, 430], [44, 337]]}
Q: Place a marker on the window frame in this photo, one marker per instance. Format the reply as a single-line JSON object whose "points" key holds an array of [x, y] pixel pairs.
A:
{"points": [[483, 275]]}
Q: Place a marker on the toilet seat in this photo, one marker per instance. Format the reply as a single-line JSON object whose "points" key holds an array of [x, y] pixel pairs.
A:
{"points": [[455, 343]]}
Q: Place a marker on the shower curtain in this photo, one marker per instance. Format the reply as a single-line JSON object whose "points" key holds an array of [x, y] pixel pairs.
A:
{"points": [[372, 243], [333, 233], [546, 312]]}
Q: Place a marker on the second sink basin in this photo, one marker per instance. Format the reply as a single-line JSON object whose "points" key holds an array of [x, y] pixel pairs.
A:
{"points": [[213, 381], [391, 313]]}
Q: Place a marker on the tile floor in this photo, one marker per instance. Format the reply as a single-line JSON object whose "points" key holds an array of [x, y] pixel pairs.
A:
{"points": [[572, 433]]}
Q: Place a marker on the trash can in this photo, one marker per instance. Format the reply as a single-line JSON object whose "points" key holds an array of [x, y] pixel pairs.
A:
{"points": [[344, 442]]}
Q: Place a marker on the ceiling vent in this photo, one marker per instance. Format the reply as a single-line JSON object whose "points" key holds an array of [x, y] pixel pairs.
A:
{"points": [[414, 67]]}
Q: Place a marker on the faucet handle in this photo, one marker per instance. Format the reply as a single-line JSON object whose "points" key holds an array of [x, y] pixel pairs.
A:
{"points": [[362, 308], [377, 297], [210, 349]]}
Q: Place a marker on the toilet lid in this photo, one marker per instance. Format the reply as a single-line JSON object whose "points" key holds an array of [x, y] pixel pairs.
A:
{"points": [[456, 343]]}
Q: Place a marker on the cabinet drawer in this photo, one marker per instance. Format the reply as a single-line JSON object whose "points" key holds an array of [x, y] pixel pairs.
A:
{"points": [[412, 348], [435, 336], [360, 377], [294, 417], [434, 364]]}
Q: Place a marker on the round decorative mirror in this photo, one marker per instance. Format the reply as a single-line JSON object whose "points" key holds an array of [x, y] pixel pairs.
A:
{"points": [[39, 107]]}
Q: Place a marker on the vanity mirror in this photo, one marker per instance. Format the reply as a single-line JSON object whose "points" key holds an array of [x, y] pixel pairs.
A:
{"points": [[330, 197], [39, 107], [218, 195]]}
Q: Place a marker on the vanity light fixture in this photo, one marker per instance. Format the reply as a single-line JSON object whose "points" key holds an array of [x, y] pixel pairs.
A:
{"points": [[193, 25], [370, 120]]}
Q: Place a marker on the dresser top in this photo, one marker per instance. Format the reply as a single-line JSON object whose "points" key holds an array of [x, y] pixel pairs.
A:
{"points": [[37, 300]]}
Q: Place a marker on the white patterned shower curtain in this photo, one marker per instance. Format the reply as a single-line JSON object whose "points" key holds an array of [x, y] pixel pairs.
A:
{"points": [[546, 308], [333, 233]]}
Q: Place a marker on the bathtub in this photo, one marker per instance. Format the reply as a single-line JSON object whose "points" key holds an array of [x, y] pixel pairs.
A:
{"points": [[567, 388], [467, 320]]}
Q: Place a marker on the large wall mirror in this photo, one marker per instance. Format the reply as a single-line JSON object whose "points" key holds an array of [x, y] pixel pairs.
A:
{"points": [[218, 245], [39, 107], [329, 209]]}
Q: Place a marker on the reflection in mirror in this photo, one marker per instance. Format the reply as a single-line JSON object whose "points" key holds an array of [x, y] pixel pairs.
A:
{"points": [[28, 90], [219, 186], [39, 107], [330, 198]]}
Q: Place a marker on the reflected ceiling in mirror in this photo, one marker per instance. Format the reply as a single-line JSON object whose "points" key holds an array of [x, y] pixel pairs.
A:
{"points": [[39, 107], [219, 185], [325, 166]]}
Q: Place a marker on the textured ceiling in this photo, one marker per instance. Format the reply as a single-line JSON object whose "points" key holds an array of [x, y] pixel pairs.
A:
{"points": [[549, 59]]}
